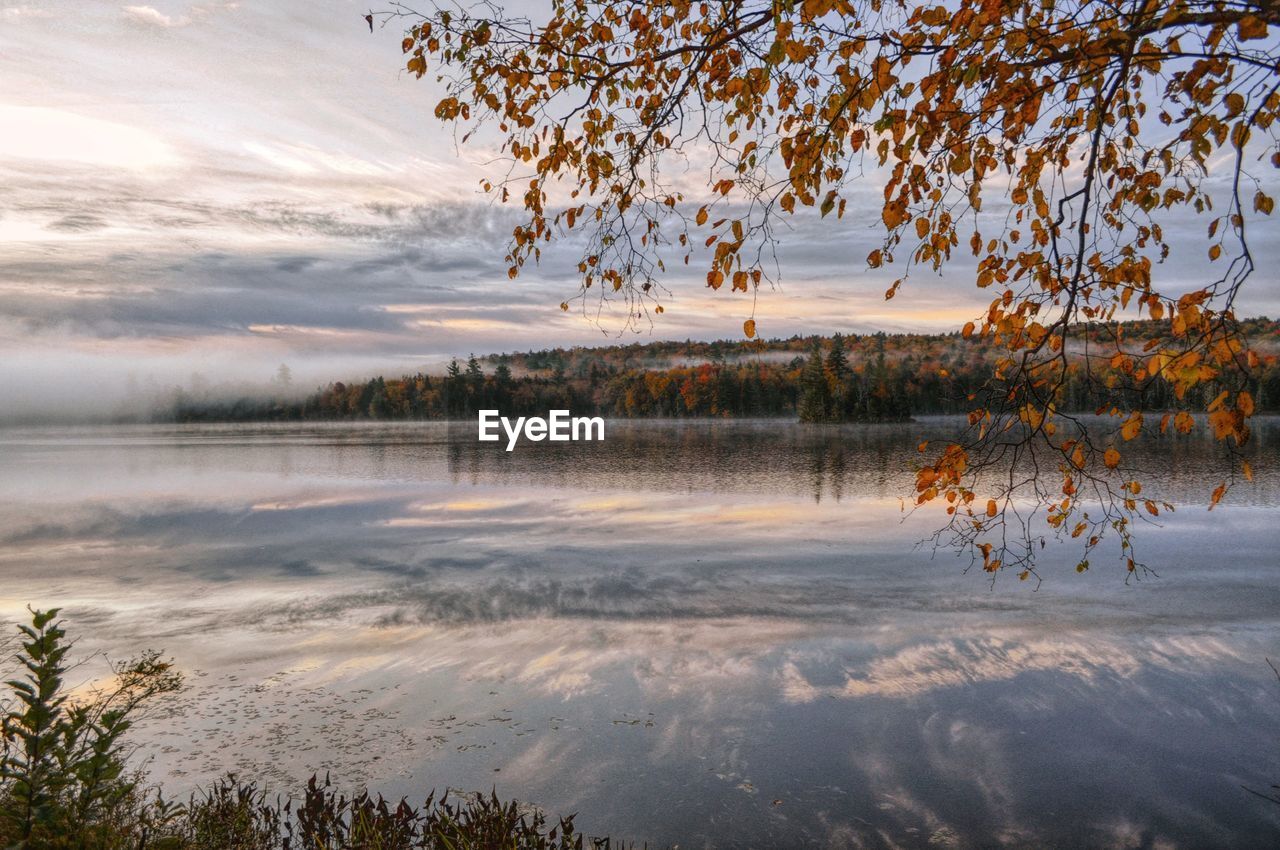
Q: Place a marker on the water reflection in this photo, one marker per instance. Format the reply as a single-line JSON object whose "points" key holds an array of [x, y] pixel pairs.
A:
{"points": [[726, 624]]}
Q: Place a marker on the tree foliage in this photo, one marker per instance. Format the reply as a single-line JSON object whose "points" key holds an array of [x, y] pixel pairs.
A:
{"points": [[869, 378], [1047, 140], [63, 781]]}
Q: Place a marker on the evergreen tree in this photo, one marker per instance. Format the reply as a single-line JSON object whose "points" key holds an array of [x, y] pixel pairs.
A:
{"points": [[815, 394], [502, 383], [838, 374], [838, 361], [379, 404], [454, 392]]}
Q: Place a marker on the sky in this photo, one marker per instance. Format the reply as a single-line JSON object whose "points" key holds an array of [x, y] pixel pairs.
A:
{"points": [[217, 188]]}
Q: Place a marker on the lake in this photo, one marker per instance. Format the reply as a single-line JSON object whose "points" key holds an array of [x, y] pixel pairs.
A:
{"points": [[716, 634]]}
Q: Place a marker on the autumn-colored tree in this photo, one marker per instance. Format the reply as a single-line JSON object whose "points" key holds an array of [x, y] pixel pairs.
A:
{"points": [[1046, 138]]}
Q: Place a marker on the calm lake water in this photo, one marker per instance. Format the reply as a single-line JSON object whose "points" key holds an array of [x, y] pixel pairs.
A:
{"points": [[710, 634]]}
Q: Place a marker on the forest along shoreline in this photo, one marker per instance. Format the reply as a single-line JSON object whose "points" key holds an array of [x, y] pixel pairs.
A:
{"points": [[842, 378]]}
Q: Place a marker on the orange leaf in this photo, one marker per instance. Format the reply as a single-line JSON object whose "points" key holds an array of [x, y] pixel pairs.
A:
{"points": [[1132, 426], [1251, 27]]}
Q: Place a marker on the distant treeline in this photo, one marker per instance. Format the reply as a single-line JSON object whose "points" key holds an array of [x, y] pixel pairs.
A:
{"points": [[856, 378]]}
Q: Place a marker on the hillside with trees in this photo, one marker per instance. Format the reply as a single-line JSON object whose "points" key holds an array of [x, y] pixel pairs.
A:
{"points": [[856, 378]]}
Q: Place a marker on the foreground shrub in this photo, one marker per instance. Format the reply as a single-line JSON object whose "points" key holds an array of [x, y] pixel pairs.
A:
{"points": [[64, 782], [234, 814]]}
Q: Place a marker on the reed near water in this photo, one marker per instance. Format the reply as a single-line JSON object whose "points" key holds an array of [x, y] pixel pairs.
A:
{"points": [[66, 784]]}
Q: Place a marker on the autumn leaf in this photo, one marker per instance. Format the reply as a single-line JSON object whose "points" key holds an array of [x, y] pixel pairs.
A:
{"points": [[828, 203], [1218, 493], [1092, 132], [1251, 27], [1132, 426]]}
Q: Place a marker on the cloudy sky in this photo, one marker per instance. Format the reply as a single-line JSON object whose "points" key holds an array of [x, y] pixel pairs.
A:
{"points": [[222, 187]]}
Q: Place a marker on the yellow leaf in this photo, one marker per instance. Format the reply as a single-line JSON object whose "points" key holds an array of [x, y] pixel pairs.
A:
{"points": [[1132, 426], [992, 508], [1244, 403], [1111, 458], [749, 328], [701, 218]]}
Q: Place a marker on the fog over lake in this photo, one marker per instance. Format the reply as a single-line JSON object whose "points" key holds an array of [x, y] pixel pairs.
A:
{"points": [[688, 632]]}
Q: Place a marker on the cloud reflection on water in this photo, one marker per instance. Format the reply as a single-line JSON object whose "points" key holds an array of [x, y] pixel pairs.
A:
{"points": [[640, 631]]}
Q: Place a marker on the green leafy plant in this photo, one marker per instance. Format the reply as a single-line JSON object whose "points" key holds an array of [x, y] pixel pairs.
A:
{"points": [[63, 777], [65, 783]]}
